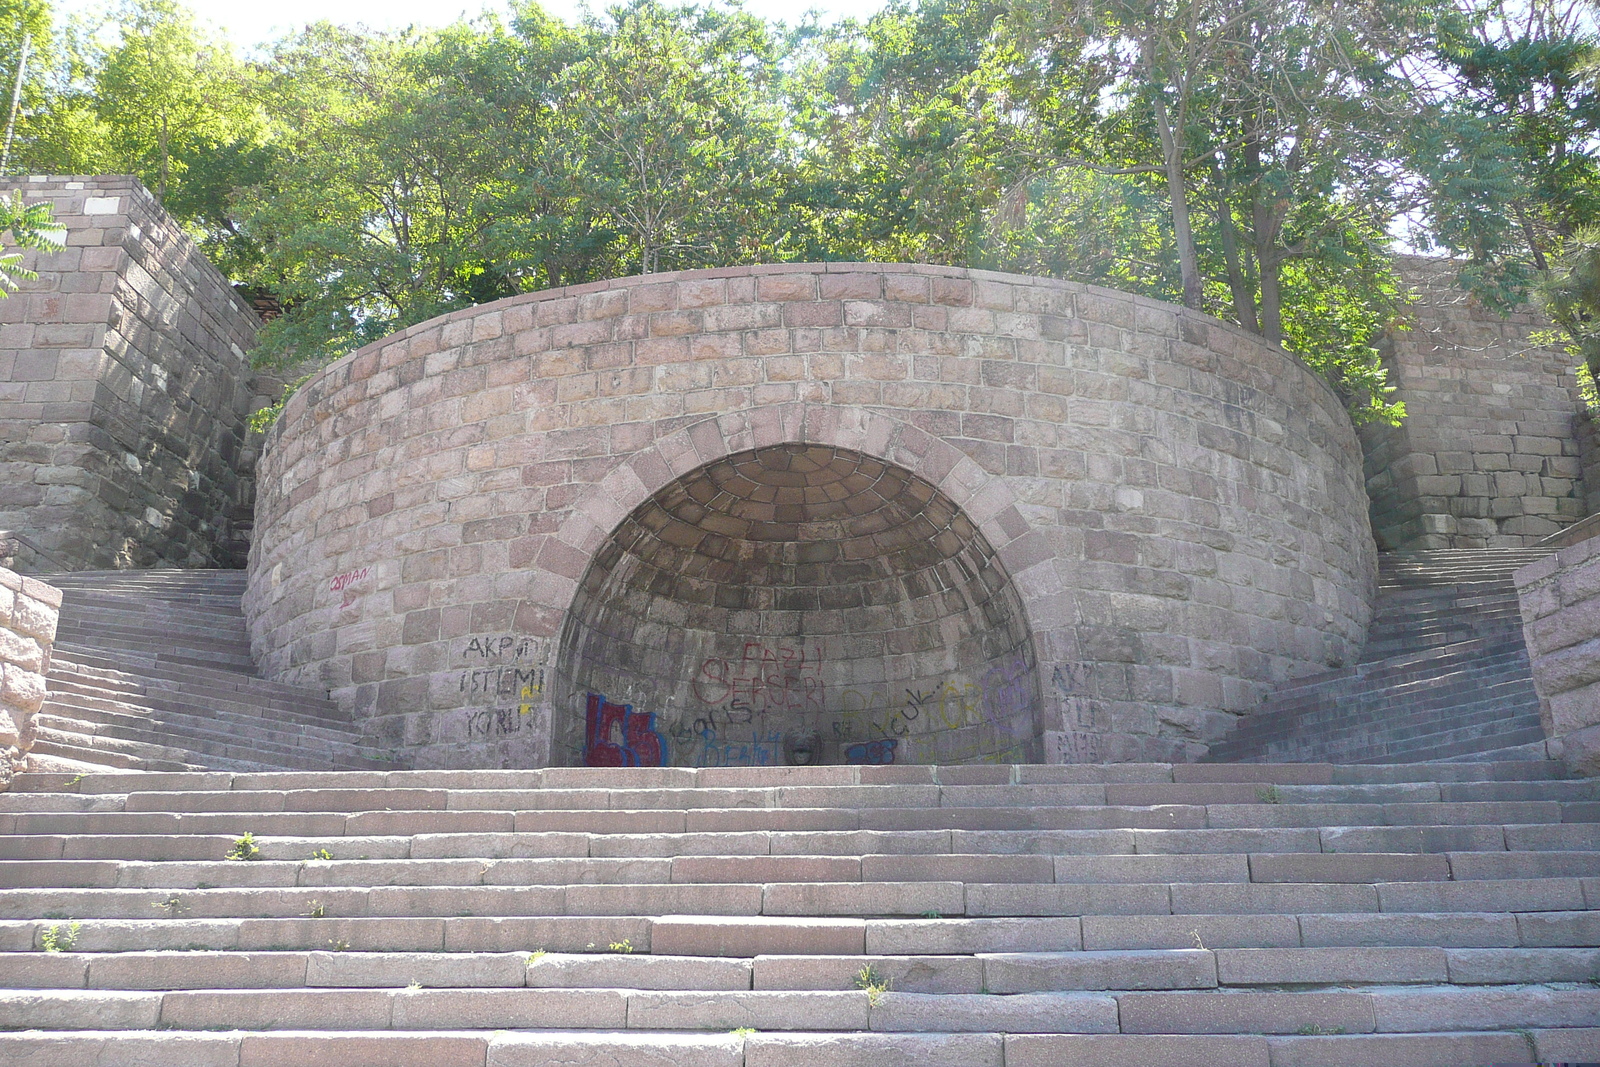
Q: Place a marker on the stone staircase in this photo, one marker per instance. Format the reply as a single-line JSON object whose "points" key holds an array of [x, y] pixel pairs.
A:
{"points": [[151, 671], [1444, 675], [1152, 915]]}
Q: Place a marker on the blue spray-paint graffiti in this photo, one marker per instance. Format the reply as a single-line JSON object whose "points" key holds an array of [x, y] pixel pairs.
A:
{"points": [[872, 752]]}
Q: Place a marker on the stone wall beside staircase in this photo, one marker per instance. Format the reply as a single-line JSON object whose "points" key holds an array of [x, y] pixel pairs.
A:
{"points": [[28, 612], [1588, 430], [1488, 455], [124, 392], [1560, 598]]}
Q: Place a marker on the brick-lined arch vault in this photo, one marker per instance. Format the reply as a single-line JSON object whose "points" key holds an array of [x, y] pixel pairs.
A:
{"points": [[796, 603]]}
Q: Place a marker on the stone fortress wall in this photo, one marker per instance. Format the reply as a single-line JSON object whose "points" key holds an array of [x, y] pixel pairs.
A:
{"points": [[124, 392], [1489, 455], [839, 513]]}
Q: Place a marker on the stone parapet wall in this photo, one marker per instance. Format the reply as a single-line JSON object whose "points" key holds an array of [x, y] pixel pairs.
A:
{"points": [[124, 391], [29, 610], [1560, 600], [1488, 455], [1588, 433], [1153, 518]]}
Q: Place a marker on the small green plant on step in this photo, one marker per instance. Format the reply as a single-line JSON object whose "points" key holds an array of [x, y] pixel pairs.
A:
{"points": [[338, 946], [245, 848], [173, 906], [625, 945], [322, 854], [1268, 794], [874, 984], [413, 985], [1314, 1030], [743, 1031], [536, 955], [932, 913], [55, 939], [318, 910]]}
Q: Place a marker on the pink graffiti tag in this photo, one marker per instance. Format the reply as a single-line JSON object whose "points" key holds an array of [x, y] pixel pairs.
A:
{"points": [[618, 736]]}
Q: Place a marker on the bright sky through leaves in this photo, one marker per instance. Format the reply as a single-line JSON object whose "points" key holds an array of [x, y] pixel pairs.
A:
{"points": [[250, 24]]}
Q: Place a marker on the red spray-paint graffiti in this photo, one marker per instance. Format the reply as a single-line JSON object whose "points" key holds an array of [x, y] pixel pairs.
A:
{"points": [[618, 736]]}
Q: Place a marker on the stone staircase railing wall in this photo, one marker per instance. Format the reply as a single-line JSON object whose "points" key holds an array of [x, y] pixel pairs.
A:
{"points": [[1588, 431], [28, 613], [1560, 597], [1488, 455], [124, 392]]}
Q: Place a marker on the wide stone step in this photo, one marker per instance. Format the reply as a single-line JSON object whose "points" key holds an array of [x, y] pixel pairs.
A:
{"points": [[619, 779], [926, 972], [1021, 1011], [652, 1049], [124, 718], [50, 813], [1014, 806], [157, 749], [850, 843]]}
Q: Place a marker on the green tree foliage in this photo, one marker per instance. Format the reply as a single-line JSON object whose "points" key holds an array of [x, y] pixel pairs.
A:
{"points": [[29, 226], [1515, 158], [1570, 293], [671, 124], [1250, 158], [151, 94]]}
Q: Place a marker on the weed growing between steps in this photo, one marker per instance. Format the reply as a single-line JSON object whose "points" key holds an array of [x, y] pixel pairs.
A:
{"points": [[316, 909], [55, 939], [245, 848], [322, 854], [873, 983]]}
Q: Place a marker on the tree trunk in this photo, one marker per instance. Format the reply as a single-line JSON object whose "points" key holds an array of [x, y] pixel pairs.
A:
{"points": [[1244, 300], [1178, 192], [161, 182]]}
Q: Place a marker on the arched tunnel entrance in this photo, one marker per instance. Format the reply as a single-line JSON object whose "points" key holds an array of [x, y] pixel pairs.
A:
{"points": [[796, 604]]}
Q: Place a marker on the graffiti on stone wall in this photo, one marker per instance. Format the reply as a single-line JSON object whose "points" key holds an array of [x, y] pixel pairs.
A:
{"points": [[1076, 746], [764, 678], [500, 679], [775, 702], [1001, 693], [617, 736], [504, 665], [347, 585], [1071, 683], [872, 753]]}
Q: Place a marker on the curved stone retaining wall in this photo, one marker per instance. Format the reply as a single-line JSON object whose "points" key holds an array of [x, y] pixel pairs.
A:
{"points": [[841, 513]]}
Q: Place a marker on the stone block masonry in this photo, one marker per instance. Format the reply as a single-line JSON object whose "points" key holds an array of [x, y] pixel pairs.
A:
{"points": [[124, 392], [1560, 600], [841, 513], [29, 610], [1489, 453], [1588, 426]]}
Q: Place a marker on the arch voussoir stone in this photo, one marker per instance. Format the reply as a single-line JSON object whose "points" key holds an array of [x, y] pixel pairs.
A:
{"points": [[1134, 571]]}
